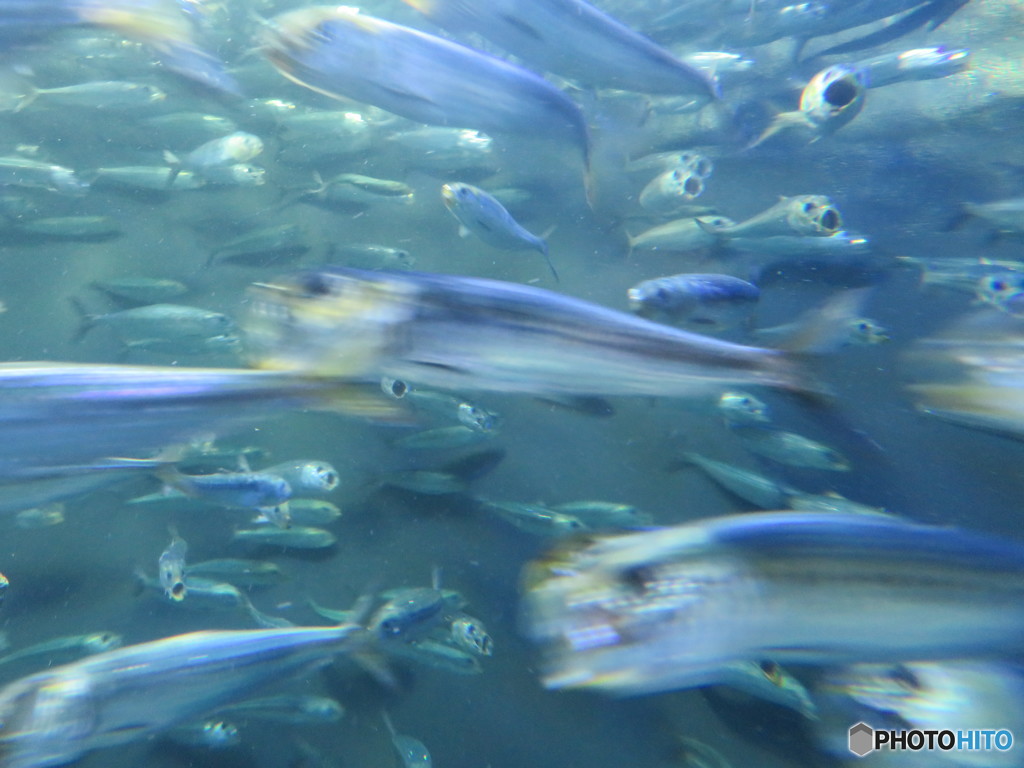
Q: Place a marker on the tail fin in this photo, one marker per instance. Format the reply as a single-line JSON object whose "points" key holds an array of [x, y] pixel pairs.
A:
{"points": [[782, 122], [86, 321]]}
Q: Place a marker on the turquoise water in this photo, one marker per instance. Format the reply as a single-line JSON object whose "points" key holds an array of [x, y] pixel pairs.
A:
{"points": [[899, 173]]}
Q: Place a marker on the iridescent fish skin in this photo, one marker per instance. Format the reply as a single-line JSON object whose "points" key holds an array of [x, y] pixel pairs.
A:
{"points": [[343, 53], [59, 415], [573, 39], [125, 695], [467, 333], [669, 608]]}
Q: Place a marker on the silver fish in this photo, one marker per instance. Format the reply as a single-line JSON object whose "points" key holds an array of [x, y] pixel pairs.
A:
{"points": [[171, 567], [481, 214], [688, 234], [573, 39], [125, 695], [915, 64], [340, 52], [296, 537], [211, 734], [294, 709], [831, 99], [798, 215], [306, 475], [56, 416], [468, 333], [666, 609]]}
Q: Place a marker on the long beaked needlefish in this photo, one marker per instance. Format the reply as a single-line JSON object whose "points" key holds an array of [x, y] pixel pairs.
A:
{"points": [[573, 39], [55, 415], [470, 333], [670, 608], [127, 694], [340, 52]]}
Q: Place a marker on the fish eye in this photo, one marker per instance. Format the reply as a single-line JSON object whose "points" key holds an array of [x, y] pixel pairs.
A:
{"points": [[998, 285], [676, 175], [662, 293], [808, 207], [841, 93], [772, 672], [314, 284]]}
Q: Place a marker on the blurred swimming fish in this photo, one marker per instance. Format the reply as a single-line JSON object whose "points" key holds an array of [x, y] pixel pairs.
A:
{"points": [[59, 415], [573, 39], [124, 695], [915, 64], [341, 52], [669, 608], [460, 332]]}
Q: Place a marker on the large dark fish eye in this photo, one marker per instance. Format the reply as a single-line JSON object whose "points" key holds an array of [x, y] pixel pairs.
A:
{"points": [[314, 284], [841, 93]]}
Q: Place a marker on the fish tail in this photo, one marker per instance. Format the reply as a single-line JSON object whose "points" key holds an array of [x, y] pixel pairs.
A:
{"points": [[86, 320], [175, 166], [547, 257], [27, 99]]}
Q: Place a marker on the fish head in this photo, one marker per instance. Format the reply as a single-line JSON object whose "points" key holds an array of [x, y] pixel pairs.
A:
{"points": [[458, 196], [834, 96], [335, 321], [813, 215], [743, 408], [320, 476], [1004, 291], [102, 641]]}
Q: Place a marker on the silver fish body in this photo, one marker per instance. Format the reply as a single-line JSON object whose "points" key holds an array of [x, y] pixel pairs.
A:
{"points": [[56, 415], [468, 333], [127, 694], [669, 608], [798, 215], [343, 53], [916, 64], [573, 39]]}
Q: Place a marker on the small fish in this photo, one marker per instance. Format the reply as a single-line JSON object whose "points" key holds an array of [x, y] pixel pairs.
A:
{"points": [[157, 322], [203, 594], [146, 177], [814, 245], [410, 612], [916, 64], [535, 518], [1005, 215], [801, 215], [295, 537], [830, 502], [622, 613], [669, 191], [210, 734], [286, 708], [1004, 291], [242, 490], [238, 147], [604, 514], [353, 189], [235, 175], [761, 491], [482, 215], [831, 99], [719, 300], [470, 635], [312, 511], [22, 172], [412, 752], [66, 648], [429, 482], [790, 448], [277, 244], [371, 256], [446, 150], [681, 235], [306, 475], [40, 517], [241, 573], [171, 568], [309, 137], [141, 289], [743, 408], [99, 94]]}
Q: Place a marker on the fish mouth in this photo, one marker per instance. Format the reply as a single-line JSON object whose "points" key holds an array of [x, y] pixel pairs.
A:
{"points": [[448, 195]]}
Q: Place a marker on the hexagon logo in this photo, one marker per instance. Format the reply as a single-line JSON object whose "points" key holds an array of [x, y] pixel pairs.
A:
{"points": [[862, 739]]}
